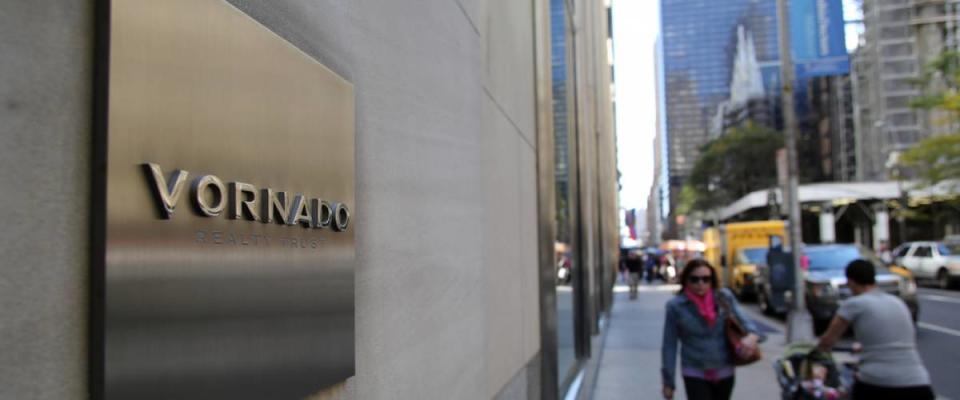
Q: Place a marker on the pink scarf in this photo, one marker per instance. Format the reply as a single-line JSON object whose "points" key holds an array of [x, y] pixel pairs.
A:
{"points": [[704, 305]]}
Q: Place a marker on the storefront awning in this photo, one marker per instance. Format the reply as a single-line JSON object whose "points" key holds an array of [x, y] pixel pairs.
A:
{"points": [[841, 193]]}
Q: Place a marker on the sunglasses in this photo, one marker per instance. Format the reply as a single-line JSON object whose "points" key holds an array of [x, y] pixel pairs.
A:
{"points": [[701, 279]]}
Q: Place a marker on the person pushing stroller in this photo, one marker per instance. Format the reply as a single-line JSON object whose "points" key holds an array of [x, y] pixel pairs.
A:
{"points": [[890, 366]]}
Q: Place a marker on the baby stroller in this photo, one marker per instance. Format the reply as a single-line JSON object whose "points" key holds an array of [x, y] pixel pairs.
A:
{"points": [[805, 373]]}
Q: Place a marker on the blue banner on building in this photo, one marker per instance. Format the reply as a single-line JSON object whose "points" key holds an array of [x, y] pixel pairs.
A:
{"points": [[817, 38]]}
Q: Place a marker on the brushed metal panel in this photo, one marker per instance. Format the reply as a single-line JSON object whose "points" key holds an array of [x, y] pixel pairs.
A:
{"points": [[208, 293]]}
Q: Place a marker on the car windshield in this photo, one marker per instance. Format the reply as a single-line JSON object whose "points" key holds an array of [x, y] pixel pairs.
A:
{"points": [[833, 257], [949, 249], [756, 256]]}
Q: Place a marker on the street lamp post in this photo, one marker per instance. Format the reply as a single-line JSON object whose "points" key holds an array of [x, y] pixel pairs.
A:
{"points": [[904, 200], [896, 170], [901, 215], [799, 326]]}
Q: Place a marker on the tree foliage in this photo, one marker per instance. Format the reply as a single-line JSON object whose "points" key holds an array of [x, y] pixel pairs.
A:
{"points": [[937, 158], [687, 200], [733, 165]]}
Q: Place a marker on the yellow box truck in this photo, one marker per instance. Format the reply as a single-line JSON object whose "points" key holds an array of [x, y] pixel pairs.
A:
{"points": [[737, 248]]}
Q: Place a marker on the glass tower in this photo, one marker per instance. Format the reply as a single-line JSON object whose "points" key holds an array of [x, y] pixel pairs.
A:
{"points": [[698, 45]]}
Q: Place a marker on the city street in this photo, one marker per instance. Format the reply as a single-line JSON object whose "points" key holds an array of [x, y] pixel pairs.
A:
{"points": [[938, 337]]}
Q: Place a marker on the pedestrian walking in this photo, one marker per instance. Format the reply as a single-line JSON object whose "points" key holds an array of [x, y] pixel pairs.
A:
{"points": [[884, 252], [890, 365], [624, 271], [694, 320], [650, 267], [633, 265]]}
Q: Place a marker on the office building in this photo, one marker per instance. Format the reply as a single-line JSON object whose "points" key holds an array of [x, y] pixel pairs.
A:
{"points": [[720, 63], [698, 46], [900, 38], [389, 165], [830, 143]]}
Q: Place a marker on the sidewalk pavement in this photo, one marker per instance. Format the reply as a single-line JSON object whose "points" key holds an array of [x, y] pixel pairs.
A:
{"points": [[628, 364]]}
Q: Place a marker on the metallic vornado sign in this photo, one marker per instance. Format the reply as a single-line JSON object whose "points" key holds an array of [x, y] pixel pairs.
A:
{"points": [[209, 197], [227, 262]]}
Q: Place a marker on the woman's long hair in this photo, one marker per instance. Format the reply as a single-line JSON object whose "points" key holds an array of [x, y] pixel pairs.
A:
{"points": [[690, 267]]}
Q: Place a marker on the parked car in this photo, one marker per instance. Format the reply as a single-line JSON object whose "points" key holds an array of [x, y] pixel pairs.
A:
{"points": [[939, 261], [826, 283]]}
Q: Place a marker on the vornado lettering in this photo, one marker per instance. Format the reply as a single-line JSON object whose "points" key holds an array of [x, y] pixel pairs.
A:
{"points": [[210, 197]]}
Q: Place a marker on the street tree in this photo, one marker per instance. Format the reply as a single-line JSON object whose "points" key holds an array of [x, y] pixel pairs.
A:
{"points": [[733, 165], [937, 158]]}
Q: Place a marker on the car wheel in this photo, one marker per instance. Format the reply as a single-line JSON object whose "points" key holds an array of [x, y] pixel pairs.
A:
{"points": [[943, 279]]}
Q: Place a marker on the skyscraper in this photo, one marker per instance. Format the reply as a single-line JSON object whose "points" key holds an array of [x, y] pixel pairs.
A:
{"points": [[698, 48], [900, 38], [558, 54], [699, 52]]}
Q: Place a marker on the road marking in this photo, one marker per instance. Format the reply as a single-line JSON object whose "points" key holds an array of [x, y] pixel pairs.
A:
{"points": [[937, 297], [938, 328]]}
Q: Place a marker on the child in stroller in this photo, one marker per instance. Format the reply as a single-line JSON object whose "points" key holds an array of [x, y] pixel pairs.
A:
{"points": [[804, 373]]}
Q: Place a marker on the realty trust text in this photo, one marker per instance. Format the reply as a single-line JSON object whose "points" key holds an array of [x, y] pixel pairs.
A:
{"points": [[205, 237]]}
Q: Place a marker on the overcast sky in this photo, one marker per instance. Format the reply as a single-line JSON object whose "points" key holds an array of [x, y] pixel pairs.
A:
{"points": [[635, 26]]}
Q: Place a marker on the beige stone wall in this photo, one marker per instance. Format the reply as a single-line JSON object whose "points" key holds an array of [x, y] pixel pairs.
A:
{"points": [[446, 133], [45, 91], [510, 197], [447, 295]]}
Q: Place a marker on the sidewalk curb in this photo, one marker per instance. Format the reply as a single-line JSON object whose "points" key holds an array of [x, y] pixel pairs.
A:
{"points": [[592, 369]]}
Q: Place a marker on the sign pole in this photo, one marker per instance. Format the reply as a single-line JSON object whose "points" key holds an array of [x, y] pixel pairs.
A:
{"points": [[799, 325]]}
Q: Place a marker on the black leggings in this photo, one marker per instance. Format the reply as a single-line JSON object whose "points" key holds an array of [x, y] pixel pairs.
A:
{"points": [[873, 392], [700, 389]]}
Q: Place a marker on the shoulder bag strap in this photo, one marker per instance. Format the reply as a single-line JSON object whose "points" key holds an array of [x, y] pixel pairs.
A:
{"points": [[732, 316]]}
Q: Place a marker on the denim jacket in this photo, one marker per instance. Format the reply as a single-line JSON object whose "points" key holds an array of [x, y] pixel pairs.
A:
{"points": [[703, 347]]}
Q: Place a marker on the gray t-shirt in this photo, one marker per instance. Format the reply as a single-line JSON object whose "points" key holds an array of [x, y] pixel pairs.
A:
{"points": [[882, 324]]}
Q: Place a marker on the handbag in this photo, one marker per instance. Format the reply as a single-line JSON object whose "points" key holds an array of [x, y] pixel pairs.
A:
{"points": [[735, 332]]}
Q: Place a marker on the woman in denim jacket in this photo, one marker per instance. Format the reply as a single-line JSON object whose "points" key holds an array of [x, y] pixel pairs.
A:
{"points": [[695, 318]]}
